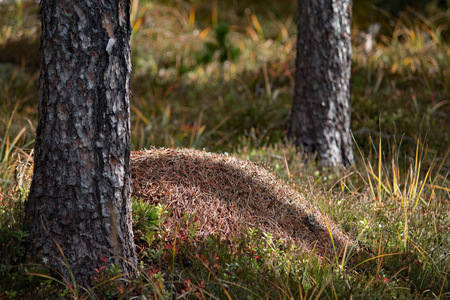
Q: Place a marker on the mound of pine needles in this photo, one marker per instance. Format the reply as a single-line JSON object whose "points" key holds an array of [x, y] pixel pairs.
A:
{"points": [[227, 195]]}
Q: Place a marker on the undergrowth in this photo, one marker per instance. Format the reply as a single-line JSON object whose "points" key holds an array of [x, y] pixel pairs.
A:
{"points": [[177, 263]]}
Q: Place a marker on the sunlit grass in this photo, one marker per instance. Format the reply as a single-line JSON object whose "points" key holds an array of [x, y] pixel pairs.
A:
{"points": [[402, 83], [14, 159]]}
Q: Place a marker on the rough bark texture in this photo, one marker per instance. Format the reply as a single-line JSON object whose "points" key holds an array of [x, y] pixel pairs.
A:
{"points": [[321, 107], [80, 192]]}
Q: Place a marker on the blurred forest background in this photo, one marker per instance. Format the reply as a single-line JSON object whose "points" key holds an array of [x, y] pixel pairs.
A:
{"points": [[211, 74]]}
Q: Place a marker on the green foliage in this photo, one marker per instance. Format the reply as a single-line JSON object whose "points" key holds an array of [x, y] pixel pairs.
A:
{"points": [[147, 219], [14, 284], [227, 52]]}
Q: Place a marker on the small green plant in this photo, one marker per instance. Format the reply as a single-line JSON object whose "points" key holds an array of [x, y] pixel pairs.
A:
{"points": [[147, 219], [221, 45]]}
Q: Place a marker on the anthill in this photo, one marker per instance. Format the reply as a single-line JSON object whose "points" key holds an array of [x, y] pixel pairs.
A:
{"points": [[228, 195]]}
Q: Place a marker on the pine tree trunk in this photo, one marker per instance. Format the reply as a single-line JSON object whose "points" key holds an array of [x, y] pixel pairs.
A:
{"points": [[321, 108], [80, 192]]}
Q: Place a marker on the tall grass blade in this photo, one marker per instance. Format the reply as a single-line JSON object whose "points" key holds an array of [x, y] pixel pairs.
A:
{"points": [[332, 240], [374, 257], [379, 171], [422, 186], [258, 27]]}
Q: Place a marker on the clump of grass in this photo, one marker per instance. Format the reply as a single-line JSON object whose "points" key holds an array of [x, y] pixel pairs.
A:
{"points": [[400, 206], [15, 284], [411, 47], [13, 160], [402, 82], [17, 119]]}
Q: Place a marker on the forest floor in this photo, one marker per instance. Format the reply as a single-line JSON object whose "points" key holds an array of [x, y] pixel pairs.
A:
{"points": [[289, 228]]}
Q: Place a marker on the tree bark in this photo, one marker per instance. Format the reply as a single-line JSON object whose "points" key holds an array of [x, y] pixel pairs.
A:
{"points": [[80, 192], [320, 120]]}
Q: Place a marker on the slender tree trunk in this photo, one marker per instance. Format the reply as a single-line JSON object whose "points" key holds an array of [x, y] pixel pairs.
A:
{"points": [[321, 107], [80, 192]]}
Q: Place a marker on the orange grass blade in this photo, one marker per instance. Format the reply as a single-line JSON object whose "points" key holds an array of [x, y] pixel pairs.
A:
{"points": [[257, 26]]}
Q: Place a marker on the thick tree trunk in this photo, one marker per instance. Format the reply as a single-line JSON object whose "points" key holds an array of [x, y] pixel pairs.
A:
{"points": [[321, 107], [80, 192]]}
